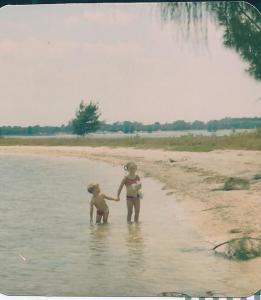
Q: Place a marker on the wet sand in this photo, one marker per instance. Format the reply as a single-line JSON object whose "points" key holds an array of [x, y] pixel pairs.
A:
{"points": [[193, 177]]}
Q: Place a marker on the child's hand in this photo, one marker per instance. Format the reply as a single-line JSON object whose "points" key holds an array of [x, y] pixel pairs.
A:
{"points": [[138, 185]]}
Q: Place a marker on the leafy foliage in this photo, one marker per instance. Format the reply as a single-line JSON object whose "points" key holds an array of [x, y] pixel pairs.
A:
{"points": [[87, 119], [240, 21], [242, 32], [240, 248]]}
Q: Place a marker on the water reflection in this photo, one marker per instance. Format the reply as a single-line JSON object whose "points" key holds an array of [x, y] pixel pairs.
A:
{"points": [[98, 243], [100, 231], [135, 246]]}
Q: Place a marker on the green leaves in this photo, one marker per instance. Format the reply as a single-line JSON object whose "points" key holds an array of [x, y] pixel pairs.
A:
{"points": [[240, 21], [87, 119]]}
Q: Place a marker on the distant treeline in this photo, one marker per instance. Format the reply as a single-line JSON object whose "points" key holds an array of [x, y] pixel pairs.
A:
{"points": [[213, 125], [34, 130], [131, 127]]}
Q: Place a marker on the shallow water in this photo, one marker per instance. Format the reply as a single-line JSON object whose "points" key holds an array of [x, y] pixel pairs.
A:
{"points": [[48, 247]]}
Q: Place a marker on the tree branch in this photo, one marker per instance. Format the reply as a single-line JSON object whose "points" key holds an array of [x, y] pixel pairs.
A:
{"points": [[250, 19]]}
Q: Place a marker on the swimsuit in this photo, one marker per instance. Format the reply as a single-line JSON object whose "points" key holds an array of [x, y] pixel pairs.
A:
{"points": [[133, 197], [129, 182], [101, 212]]}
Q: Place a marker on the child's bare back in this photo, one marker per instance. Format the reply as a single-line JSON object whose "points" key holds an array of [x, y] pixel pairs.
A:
{"points": [[99, 202]]}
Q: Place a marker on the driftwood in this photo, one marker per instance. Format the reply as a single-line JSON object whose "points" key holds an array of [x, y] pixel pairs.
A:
{"points": [[229, 241]]}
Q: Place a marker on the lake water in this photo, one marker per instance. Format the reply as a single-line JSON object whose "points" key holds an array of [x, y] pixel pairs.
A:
{"points": [[49, 248]]}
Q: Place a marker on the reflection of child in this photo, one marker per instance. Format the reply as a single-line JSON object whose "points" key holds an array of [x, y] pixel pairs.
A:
{"points": [[133, 188], [98, 200]]}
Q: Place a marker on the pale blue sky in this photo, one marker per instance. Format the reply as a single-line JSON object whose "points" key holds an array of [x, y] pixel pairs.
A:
{"points": [[121, 55]]}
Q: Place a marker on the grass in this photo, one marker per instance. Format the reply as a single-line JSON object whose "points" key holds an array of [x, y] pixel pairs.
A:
{"points": [[236, 183], [192, 143], [257, 177]]}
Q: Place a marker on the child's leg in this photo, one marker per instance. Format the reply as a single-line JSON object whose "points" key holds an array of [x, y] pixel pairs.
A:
{"points": [[129, 209], [137, 209], [105, 216], [98, 218]]}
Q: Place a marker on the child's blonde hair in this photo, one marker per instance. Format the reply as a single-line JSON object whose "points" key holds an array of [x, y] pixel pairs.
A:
{"points": [[126, 167]]}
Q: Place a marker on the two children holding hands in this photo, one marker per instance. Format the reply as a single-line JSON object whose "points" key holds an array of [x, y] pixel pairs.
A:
{"points": [[133, 195]]}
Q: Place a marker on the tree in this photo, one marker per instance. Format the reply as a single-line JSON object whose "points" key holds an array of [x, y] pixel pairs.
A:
{"points": [[128, 127], [212, 126], [242, 33], [87, 119], [180, 125], [240, 21], [198, 125]]}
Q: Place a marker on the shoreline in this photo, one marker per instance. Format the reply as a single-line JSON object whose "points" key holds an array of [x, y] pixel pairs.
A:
{"points": [[192, 178]]}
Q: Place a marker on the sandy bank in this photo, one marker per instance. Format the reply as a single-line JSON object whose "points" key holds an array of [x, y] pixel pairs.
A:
{"points": [[191, 177]]}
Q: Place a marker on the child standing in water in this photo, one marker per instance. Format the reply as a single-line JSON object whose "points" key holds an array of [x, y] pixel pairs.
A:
{"points": [[133, 188], [98, 200]]}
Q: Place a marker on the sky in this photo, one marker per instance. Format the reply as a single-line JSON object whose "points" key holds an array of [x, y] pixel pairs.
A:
{"points": [[123, 57]]}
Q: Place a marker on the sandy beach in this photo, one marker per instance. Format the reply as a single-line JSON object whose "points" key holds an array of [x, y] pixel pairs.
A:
{"points": [[193, 179]]}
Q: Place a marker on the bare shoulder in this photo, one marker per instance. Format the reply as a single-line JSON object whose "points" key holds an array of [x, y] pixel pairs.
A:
{"points": [[105, 197], [101, 198]]}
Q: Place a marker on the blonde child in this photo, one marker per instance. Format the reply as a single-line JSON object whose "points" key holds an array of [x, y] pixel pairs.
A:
{"points": [[133, 189], [98, 200]]}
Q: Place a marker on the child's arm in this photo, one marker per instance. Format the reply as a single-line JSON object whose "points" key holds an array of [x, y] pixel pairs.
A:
{"points": [[91, 212], [139, 185], [110, 198], [120, 188]]}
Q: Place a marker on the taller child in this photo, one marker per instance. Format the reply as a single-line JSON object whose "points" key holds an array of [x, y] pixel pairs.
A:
{"points": [[133, 186]]}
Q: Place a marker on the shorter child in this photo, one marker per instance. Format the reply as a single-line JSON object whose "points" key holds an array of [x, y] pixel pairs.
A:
{"points": [[98, 200]]}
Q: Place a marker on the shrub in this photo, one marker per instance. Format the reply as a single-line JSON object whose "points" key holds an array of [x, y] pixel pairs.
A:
{"points": [[235, 183]]}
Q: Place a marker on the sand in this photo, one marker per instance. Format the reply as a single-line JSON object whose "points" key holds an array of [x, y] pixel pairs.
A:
{"points": [[193, 179]]}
